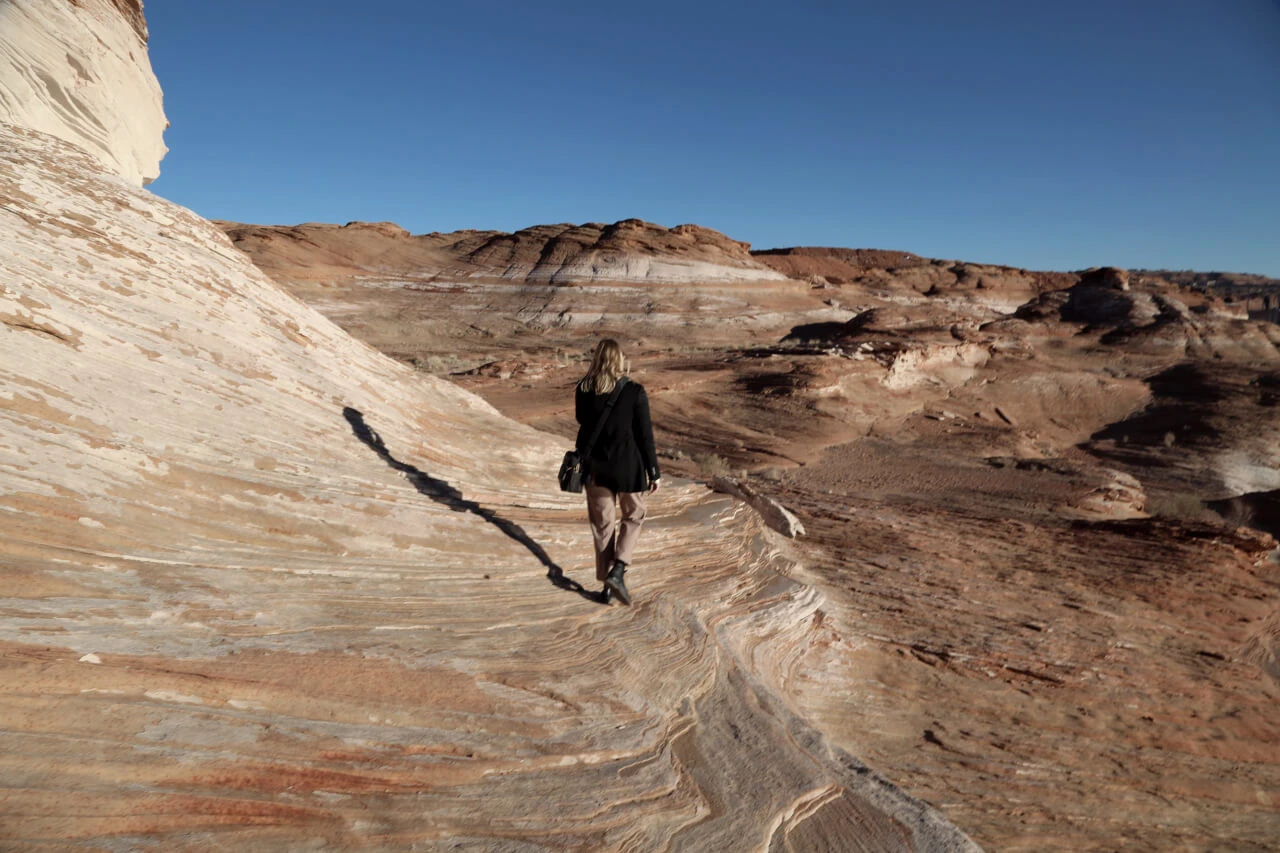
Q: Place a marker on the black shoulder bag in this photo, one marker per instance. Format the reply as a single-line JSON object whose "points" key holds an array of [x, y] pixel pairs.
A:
{"points": [[571, 473]]}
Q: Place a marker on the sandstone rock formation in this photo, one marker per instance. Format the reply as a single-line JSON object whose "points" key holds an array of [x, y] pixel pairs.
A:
{"points": [[78, 70], [1049, 608], [773, 513], [835, 265], [1210, 428], [270, 589], [626, 251], [902, 273], [630, 250]]}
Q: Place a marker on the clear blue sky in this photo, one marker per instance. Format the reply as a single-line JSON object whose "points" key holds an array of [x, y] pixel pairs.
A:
{"points": [[1141, 133]]}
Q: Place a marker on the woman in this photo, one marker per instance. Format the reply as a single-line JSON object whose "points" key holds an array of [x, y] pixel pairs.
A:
{"points": [[621, 466]]}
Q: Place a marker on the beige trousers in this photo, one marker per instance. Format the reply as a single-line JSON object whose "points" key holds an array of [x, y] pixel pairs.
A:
{"points": [[602, 512]]}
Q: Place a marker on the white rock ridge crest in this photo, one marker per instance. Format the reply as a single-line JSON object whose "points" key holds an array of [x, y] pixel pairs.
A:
{"points": [[80, 72]]}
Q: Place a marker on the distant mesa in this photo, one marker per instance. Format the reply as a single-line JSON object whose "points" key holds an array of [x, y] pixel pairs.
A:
{"points": [[1107, 277], [636, 251], [390, 229], [631, 250], [836, 265]]}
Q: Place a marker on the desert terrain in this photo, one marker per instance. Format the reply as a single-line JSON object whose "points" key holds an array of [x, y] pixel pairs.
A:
{"points": [[949, 555], [1039, 506], [269, 589]]}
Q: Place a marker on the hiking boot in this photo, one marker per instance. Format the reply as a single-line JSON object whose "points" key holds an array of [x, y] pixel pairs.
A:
{"points": [[614, 583], [606, 596]]}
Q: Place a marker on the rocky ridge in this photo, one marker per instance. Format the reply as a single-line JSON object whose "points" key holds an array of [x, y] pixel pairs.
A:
{"points": [[1039, 507], [628, 251]]}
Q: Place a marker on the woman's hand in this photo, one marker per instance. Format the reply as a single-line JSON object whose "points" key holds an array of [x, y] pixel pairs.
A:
{"points": [[653, 485]]}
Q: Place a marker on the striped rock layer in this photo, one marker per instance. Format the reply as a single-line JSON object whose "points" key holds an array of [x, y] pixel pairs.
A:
{"points": [[269, 588]]}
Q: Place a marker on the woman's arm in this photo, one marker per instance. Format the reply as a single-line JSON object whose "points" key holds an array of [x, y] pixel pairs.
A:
{"points": [[581, 411], [642, 428]]}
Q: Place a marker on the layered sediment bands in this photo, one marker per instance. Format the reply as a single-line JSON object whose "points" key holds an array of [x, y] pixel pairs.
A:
{"points": [[628, 251], [902, 274], [269, 588], [1028, 615], [79, 70]]}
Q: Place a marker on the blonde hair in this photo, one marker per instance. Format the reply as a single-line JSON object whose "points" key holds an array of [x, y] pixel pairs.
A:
{"points": [[607, 366]]}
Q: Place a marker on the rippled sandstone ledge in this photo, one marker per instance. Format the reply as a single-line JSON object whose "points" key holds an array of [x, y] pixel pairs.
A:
{"points": [[1033, 616], [268, 587]]}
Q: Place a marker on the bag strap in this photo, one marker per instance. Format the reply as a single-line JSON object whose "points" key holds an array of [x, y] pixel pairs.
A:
{"points": [[604, 416]]}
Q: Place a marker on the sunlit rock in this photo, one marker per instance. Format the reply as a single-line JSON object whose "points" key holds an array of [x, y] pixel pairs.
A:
{"points": [[79, 71]]}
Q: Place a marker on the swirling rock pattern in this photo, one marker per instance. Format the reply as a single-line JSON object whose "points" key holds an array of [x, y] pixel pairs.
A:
{"points": [[269, 588], [79, 70], [1030, 617]]}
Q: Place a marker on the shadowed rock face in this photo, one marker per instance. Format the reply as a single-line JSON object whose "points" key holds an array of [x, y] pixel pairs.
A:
{"points": [[131, 11]]}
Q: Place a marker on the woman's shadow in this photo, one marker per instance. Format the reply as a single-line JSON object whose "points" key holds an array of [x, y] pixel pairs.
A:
{"points": [[441, 492]]}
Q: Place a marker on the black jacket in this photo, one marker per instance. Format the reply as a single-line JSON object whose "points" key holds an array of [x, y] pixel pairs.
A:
{"points": [[623, 458]]}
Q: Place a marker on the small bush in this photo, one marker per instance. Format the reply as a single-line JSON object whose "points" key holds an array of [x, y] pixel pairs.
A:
{"points": [[439, 365], [1179, 506], [711, 465]]}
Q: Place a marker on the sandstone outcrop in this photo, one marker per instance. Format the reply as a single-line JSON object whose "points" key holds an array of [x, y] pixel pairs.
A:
{"points": [[628, 251], [774, 514], [836, 265], [270, 589], [324, 252], [902, 273], [1029, 569], [1223, 283], [1155, 318], [79, 71], [1209, 428]]}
